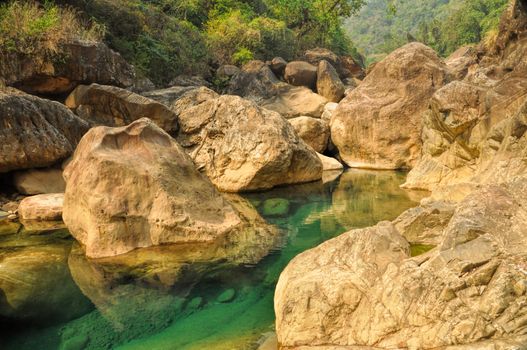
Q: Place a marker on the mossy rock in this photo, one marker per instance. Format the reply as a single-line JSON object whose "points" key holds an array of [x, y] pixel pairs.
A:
{"points": [[78, 342], [195, 303], [275, 207], [227, 296]]}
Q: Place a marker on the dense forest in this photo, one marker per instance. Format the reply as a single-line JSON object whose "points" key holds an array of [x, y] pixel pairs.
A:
{"points": [[381, 26]]}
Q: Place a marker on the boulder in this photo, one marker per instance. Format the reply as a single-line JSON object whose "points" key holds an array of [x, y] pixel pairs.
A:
{"points": [[346, 66], [35, 132], [113, 106], [170, 96], [299, 73], [461, 60], [142, 85], [314, 132], [278, 65], [243, 147], [363, 288], [329, 163], [329, 84], [80, 63], [134, 186], [474, 130], [329, 109], [189, 80], [258, 83], [39, 181], [366, 126], [44, 207]]}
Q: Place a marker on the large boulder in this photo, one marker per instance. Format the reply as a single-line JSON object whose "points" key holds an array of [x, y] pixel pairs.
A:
{"points": [[177, 98], [258, 83], [243, 147], [113, 106], [346, 66], [35, 132], [300, 73], [80, 63], [363, 289], [329, 84], [474, 130], [134, 187], [314, 132], [367, 125], [278, 65]]}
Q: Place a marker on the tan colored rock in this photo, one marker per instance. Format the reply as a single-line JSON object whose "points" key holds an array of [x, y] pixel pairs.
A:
{"points": [[329, 109], [227, 71], [80, 63], [329, 84], [461, 60], [314, 132], [363, 288], [243, 147], [169, 95], [113, 106], [367, 127], [299, 73], [258, 83], [330, 164], [474, 131], [133, 187], [189, 81], [45, 207], [346, 66], [39, 181], [35, 132]]}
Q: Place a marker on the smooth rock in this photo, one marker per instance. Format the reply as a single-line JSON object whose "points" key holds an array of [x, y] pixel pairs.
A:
{"points": [[329, 109], [299, 73], [39, 181], [329, 84], [329, 163], [113, 106], [226, 296], [314, 132], [45, 207]]}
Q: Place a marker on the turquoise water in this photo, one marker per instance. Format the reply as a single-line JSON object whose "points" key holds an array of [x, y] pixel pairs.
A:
{"points": [[186, 297]]}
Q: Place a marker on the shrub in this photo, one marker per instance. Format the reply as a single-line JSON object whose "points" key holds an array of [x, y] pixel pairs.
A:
{"points": [[31, 28]]}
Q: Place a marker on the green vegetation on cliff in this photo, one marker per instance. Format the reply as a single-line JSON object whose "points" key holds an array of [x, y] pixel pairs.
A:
{"points": [[444, 25], [164, 38]]}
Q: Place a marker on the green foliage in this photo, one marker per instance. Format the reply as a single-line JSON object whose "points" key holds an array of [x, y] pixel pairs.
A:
{"points": [[31, 28], [381, 27], [242, 56]]}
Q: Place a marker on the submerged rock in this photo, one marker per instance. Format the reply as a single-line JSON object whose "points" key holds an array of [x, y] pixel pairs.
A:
{"points": [[226, 296], [134, 187], [243, 147], [35, 132], [378, 125], [113, 106], [275, 207], [79, 63]]}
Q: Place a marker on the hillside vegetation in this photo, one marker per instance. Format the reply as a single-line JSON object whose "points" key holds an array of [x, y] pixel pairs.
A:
{"points": [[445, 25], [164, 38]]}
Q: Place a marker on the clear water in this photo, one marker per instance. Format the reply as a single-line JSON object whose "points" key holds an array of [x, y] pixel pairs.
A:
{"points": [[187, 297]]}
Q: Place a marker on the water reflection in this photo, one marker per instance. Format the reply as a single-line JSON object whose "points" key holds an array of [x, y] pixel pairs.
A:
{"points": [[192, 296]]}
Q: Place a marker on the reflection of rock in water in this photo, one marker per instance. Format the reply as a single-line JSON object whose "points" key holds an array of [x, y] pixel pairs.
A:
{"points": [[35, 283], [362, 197], [142, 292]]}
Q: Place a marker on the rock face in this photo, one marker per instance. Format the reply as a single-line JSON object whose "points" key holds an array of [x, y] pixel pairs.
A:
{"points": [[299, 73], [35, 132], [364, 289], [113, 106], [314, 132], [367, 125], [329, 84], [258, 83], [134, 186], [243, 147], [474, 130], [81, 63], [44, 207], [39, 181]]}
